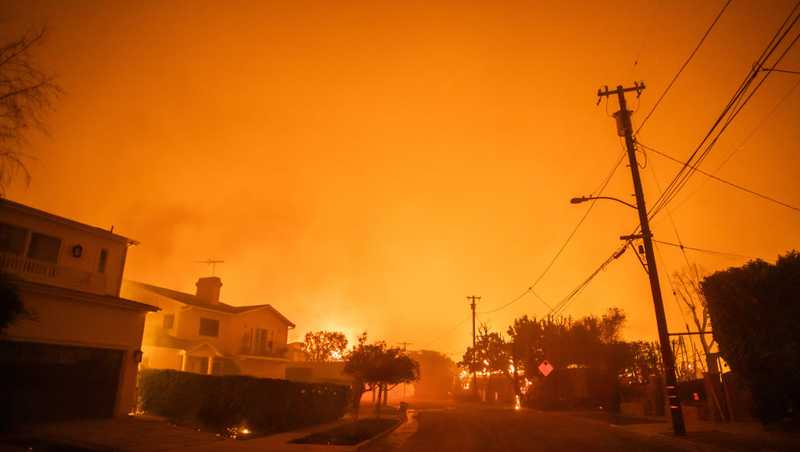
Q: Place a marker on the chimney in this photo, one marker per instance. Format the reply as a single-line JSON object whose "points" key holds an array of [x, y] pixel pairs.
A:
{"points": [[208, 289]]}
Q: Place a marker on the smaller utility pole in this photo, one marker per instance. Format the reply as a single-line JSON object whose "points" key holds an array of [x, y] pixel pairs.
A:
{"points": [[472, 299], [405, 345]]}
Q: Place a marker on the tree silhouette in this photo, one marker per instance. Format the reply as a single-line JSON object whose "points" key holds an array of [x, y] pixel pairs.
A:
{"points": [[686, 288], [26, 93], [376, 366], [754, 309], [325, 345]]}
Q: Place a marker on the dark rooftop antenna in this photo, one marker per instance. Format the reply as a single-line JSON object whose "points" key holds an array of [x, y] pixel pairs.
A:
{"points": [[213, 263]]}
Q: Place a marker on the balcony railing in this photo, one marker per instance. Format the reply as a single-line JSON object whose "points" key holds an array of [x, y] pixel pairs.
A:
{"points": [[275, 352], [19, 266], [52, 274]]}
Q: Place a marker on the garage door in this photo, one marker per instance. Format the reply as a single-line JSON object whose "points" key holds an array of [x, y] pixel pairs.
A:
{"points": [[42, 382]]}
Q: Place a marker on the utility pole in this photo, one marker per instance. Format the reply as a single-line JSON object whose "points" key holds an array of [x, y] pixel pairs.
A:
{"points": [[472, 299], [405, 345], [624, 128]]}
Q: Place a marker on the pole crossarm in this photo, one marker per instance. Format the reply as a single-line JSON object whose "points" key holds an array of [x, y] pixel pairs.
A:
{"points": [[637, 86]]}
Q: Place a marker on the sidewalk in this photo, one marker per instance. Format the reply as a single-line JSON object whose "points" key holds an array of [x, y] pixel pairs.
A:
{"points": [[147, 434], [704, 435]]}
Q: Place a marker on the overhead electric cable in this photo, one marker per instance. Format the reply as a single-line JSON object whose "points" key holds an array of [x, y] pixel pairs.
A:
{"points": [[729, 113], [719, 179], [598, 192], [761, 123], [703, 250], [683, 66]]}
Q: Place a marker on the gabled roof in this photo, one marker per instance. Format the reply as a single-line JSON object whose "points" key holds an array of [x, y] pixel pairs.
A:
{"points": [[193, 300]]}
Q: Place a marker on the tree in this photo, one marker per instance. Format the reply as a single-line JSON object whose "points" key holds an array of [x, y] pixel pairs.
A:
{"points": [[325, 345], [490, 356], [686, 288], [645, 361], [754, 309], [376, 366], [591, 341], [26, 93], [11, 306]]}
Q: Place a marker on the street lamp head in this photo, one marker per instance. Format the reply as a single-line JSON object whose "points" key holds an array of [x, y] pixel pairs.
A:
{"points": [[578, 200]]}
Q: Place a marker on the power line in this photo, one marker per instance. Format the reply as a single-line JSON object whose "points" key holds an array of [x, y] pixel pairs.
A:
{"points": [[567, 300], [735, 105], [785, 71], [761, 123], [683, 66], [544, 272], [702, 250], [719, 179]]}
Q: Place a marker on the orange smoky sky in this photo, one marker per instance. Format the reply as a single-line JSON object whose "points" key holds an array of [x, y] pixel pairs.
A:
{"points": [[367, 165]]}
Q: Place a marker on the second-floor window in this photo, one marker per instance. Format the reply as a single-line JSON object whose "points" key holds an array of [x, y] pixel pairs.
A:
{"points": [[101, 264], [169, 321], [12, 239], [263, 340], [44, 247], [209, 327]]}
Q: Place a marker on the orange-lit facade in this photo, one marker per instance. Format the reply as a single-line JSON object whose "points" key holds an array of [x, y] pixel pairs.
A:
{"points": [[199, 333], [79, 342]]}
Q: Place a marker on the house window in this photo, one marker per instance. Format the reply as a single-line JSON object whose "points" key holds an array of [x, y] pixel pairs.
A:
{"points": [[197, 364], [262, 340], [44, 247], [101, 264], [169, 320], [209, 327], [12, 239]]}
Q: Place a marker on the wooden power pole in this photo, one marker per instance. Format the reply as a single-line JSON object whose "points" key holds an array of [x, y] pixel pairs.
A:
{"points": [[624, 128], [472, 299]]}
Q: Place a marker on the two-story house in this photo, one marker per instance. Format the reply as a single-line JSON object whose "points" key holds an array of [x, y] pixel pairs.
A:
{"points": [[76, 351], [199, 333]]}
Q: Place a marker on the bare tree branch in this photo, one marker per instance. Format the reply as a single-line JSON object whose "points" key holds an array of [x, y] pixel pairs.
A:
{"points": [[26, 95]]}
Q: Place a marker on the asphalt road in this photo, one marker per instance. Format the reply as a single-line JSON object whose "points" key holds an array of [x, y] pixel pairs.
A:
{"points": [[493, 429]]}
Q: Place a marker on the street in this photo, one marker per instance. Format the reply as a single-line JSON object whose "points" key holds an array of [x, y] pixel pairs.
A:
{"points": [[465, 429]]}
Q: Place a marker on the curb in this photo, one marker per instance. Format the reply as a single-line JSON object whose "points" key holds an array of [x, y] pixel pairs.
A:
{"points": [[380, 435]]}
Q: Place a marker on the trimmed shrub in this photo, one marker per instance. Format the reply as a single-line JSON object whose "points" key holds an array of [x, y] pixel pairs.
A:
{"points": [[219, 402]]}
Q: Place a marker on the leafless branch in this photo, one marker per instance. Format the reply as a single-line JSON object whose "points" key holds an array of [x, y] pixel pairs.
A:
{"points": [[26, 95]]}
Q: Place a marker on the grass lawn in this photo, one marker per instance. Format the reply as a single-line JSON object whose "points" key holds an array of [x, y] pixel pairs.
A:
{"points": [[349, 434]]}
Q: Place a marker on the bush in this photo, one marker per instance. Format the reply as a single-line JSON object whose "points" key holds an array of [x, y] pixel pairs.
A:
{"points": [[219, 402], [754, 310]]}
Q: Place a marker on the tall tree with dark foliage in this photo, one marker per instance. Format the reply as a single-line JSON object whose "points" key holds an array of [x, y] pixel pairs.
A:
{"points": [[754, 309]]}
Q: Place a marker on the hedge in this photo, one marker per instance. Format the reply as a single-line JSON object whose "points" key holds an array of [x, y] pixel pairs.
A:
{"points": [[219, 402]]}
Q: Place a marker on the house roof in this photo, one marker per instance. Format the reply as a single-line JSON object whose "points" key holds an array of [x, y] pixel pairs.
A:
{"points": [[63, 220], [193, 300], [108, 300]]}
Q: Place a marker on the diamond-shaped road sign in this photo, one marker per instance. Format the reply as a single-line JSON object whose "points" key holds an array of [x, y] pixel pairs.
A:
{"points": [[545, 368]]}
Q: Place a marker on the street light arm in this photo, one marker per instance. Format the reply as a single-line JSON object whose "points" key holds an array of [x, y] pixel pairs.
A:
{"points": [[581, 199]]}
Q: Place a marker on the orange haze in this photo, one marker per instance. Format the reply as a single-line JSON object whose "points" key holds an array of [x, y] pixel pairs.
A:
{"points": [[367, 165]]}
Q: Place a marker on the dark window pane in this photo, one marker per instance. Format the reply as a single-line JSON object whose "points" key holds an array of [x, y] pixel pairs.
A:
{"points": [[169, 320], [44, 247], [12, 239], [209, 327], [101, 264]]}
